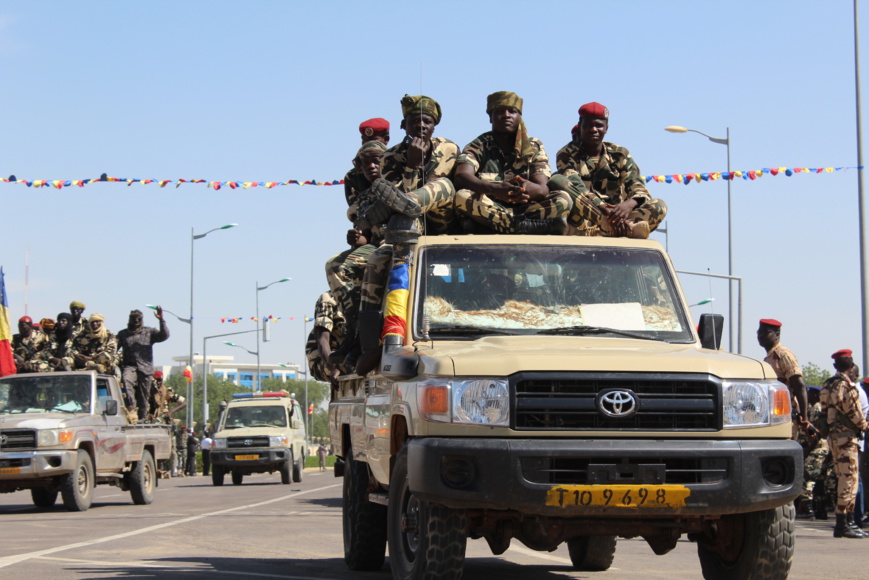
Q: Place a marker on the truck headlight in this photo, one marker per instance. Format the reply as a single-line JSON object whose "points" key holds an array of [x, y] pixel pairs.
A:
{"points": [[219, 444], [51, 437], [479, 401], [755, 403], [277, 440]]}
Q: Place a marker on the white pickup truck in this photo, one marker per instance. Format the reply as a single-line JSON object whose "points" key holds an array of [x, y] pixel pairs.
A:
{"points": [[64, 433]]}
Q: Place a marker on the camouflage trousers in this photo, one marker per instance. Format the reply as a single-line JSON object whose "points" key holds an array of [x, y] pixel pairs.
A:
{"points": [[437, 200], [844, 450], [814, 469], [344, 273], [586, 218], [502, 217], [376, 275]]}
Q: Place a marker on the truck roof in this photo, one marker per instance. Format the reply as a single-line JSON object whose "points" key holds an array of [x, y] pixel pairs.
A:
{"points": [[599, 242]]}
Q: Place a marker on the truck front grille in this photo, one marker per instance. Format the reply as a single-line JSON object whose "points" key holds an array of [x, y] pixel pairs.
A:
{"points": [[573, 401], [17, 439], [245, 442], [628, 470]]}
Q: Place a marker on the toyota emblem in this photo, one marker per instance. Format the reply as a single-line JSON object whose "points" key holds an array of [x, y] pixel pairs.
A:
{"points": [[248, 442], [617, 403], [4, 439]]}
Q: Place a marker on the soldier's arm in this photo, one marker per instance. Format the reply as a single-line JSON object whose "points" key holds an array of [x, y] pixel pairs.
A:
{"points": [[635, 188], [161, 334], [797, 387]]}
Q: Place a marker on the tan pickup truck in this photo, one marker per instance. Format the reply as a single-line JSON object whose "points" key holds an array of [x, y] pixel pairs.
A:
{"points": [[64, 433], [554, 389]]}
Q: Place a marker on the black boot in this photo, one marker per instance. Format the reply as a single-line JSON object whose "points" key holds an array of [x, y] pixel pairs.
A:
{"points": [[819, 508], [842, 530], [804, 510], [849, 521], [553, 226]]}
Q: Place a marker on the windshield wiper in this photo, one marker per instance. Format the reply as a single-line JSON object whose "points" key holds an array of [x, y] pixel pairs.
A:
{"points": [[581, 330], [461, 329]]}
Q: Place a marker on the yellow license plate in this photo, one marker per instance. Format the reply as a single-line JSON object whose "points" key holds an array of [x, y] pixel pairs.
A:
{"points": [[10, 470], [246, 457], [618, 496]]}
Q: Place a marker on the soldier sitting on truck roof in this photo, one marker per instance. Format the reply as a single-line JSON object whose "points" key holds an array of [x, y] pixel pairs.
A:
{"points": [[96, 349], [609, 196], [54, 357], [27, 345], [502, 176]]}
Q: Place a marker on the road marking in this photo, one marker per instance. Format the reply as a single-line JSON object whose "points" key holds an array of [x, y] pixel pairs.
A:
{"points": [[10, 560]]}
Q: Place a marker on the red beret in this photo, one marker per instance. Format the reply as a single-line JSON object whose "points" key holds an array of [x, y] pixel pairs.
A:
{"points": [[158, 374], [841, 353], [594, 110], [770, 322], [574, 130], [375, 126], [26, 319]]}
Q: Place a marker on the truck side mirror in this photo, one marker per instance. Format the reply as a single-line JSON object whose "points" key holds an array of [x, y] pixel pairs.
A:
{"points": [[111, 407], [710, 329]]}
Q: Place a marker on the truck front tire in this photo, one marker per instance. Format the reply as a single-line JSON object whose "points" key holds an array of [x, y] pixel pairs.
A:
{"points": [[217, 473], [286, 467], [77, 488], [762, 546], [592, 553], [364, 522], [426, 540], [237, 477], [43, 497], [142, 480], [299, 467]]}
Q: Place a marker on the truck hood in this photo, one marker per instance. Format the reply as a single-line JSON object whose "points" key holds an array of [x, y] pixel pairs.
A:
{"points": [[505, 355], [253, 431], [45, 420]]}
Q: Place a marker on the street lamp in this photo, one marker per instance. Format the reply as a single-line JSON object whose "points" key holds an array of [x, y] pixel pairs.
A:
{"points": [[259, 288], [226, 342], [726, 142], [205, 371], [193, 238]]}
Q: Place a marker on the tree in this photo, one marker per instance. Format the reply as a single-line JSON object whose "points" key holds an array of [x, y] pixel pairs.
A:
{"points": [[815, 375]]}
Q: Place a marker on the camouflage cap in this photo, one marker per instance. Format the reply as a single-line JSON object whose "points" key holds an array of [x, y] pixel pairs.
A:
{"points": [[422, 105], [369, 148], [503, 99]]}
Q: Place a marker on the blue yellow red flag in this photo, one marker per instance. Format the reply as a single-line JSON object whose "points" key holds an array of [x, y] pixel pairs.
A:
{"points": [[7, 363]]}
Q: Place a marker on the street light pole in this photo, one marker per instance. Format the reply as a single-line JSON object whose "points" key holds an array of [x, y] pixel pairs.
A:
{"points": [[205, 371], [193, 238], [256, 383], [726, 142]]}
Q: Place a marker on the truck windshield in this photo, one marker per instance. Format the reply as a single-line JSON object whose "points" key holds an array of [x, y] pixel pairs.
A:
{"points": [[250, 416], [471, 291], [45, 394]]}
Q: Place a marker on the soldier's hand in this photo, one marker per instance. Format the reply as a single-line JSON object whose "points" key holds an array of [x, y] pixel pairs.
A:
{"points": [[18, 360], [417, 149], [158, 314]]}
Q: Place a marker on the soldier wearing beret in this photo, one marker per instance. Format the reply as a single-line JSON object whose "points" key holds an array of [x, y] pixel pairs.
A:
{"points": [[841, 404], [787, 368], [502, 176], [27, 345], [79, 322], [609, 196]]}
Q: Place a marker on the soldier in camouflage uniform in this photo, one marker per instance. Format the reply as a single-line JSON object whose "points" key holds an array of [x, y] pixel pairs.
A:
{"points": [[54, 356], [160, 397], [326, 336], [79, 322], [376, 129], [840, 402], [609, 196], [28, 345], [815, 451], [502, 176], [96, 349]]}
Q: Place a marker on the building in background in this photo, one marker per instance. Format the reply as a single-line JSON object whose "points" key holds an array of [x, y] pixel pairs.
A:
{"points": [[240, 373]]}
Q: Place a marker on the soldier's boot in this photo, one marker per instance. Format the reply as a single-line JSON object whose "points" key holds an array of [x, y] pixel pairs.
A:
{"points": [[469, 226], [545, 226], [819, 508], [395, 199], [842, 530], [849, 521], [804, 510], [639, 230]]}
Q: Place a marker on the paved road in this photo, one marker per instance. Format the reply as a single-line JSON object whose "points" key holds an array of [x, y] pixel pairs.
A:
{"points": [[263, 529]]}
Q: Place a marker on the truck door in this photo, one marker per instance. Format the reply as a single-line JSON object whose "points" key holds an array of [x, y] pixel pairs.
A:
{"points": [[376, 424], [110, 436]]}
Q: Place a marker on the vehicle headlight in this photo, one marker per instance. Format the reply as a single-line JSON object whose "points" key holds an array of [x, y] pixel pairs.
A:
{"points": [[755, 403], [480, 401], [218, 444], [277, 440], [51, 437]]}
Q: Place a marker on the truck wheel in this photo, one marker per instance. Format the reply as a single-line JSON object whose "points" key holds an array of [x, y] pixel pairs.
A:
{"points": [[426, 540], [364, 522], [592, 553], [43, 497], [285, 469], [237, 476], [217, 473], [141, 480], [299, 467], [77, 488], [761, 546]]}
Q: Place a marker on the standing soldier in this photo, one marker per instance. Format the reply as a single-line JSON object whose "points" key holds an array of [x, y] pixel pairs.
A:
{"points": [[609, 196], [786, 367], [812, 502], [181, 444], [79, 322], [841, 404], [136, 343], [27, 345]]}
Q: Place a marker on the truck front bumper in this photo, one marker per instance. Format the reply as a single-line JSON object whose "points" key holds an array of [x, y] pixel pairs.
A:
{"points": [[249, 457], [19, 465], [606, 477]]}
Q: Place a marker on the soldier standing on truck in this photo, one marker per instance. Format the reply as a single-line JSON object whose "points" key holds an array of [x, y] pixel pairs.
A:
{"points": [[786, 367], [609, 196], [502, 176], [841, 404], [136, 343], [27, 345]]}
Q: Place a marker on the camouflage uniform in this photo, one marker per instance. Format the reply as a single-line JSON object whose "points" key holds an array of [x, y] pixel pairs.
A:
{"points": [[327, 315], [492, 165], [839, 397], [815, 450], [30, 349], [80, 326], [104, 351], [55, 349], [612, 178], [181, 449], [785, 365]]}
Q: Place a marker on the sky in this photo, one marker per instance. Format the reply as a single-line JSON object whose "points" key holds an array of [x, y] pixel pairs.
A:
{"points": [[274, 91]]}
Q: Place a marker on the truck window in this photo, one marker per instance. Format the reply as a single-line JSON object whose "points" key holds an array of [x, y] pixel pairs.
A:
{"points": [[255, 416], [102, 396], [37, 394], [526, 289]]}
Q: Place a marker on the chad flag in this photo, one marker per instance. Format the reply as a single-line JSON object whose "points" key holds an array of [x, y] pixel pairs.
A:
{"points": [[7, 363]]}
